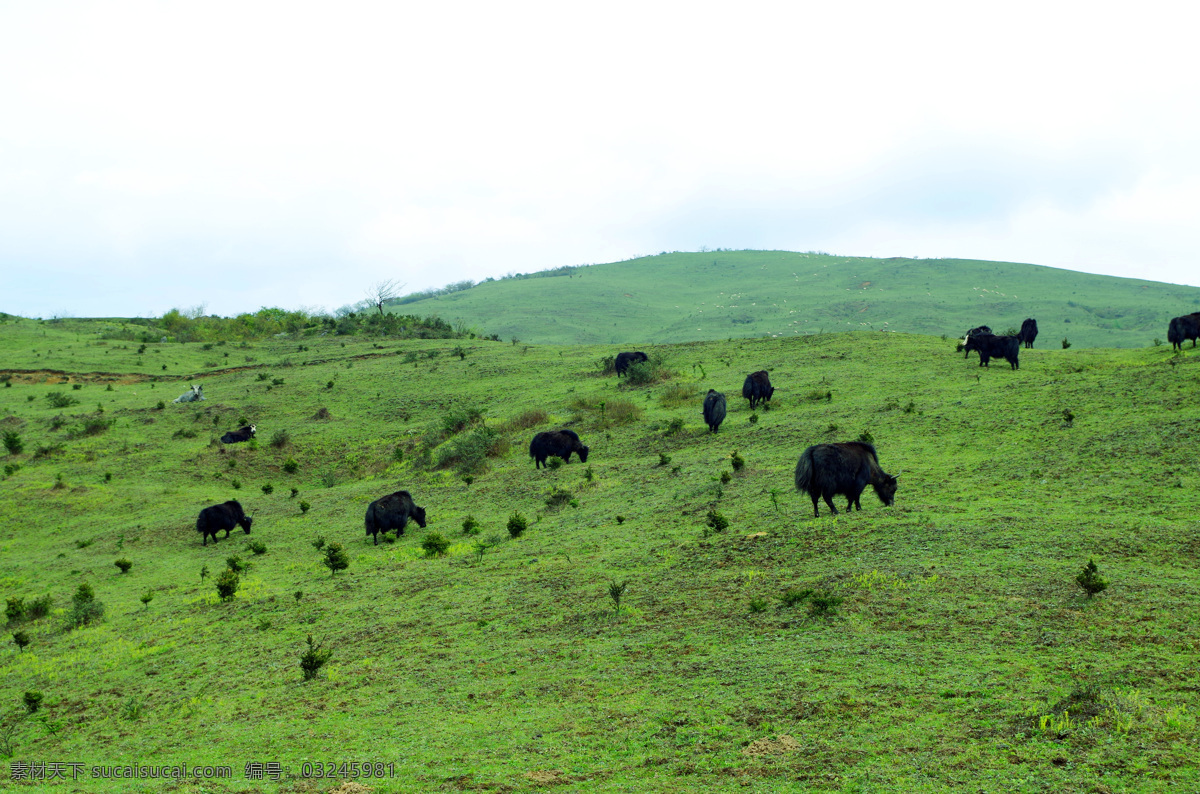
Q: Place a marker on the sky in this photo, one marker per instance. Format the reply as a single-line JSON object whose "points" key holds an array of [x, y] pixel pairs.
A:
{"points": [[224, 156]]}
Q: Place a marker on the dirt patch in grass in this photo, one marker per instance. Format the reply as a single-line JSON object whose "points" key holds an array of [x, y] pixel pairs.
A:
{"points": [[781, 744]]}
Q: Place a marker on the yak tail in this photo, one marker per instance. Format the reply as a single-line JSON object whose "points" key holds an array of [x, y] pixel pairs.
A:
{"points": [[804, 471]]}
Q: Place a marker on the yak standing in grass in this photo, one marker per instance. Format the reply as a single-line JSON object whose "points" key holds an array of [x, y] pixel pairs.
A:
{"points": [[983, 329], [626, 360], [1028, 332], [989, 347], [393, 512], [714, 410], [826, 470], [560, 443], [1181, 328], [237, 436], [224, 516], [757, 388]]}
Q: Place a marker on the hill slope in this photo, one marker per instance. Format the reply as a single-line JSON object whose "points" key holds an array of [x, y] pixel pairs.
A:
{"points": [[684, 296], [962, 652]]}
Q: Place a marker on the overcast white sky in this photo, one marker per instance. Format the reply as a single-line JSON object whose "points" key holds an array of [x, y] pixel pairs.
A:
{"points": [[240, 154]]}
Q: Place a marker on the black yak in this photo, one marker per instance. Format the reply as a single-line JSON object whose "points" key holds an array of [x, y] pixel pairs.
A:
{"points": [[392, 512], [989, 347], [626, 360], [826, 470], [983, 329], [237, 436], [560, 443], [757, 387], [225, 516], [1028, 332], [1181, 328], [714, 410]]}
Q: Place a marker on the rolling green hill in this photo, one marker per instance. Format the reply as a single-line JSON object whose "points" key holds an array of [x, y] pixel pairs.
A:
{"points": [[681, 297], [962, 653]]}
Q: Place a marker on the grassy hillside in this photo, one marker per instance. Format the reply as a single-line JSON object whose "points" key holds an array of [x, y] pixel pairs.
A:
{"points": [[962, 652], [718, 295]]}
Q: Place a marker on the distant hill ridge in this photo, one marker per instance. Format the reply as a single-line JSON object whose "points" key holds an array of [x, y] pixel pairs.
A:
{"points": [[679, 297]]}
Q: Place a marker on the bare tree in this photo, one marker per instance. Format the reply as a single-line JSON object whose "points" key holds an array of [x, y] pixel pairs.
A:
{"points": [[382, 292]]}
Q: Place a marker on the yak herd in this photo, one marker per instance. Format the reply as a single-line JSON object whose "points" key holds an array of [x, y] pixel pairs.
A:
{"points": [[823, 471]]}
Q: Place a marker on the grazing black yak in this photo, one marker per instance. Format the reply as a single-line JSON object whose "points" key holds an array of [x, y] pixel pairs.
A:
{"points": [[989, 347], [757, 387], [392, 512], [825, 470], [560, 443], [714, 410], [983, 329], [224, 516], [237, 436], [626, 360], [1181, 328], [1028, 332]]}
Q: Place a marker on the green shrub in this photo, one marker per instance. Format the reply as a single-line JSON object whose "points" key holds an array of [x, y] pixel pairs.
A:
{"points": [[716, 521], [85, 609], [664, 459], [14, 609], [736, 461], [257, 546], [468, 453], [13, 443], [615, 591], [124, 564], [161, 405], [1065, 343], [607, 365], [32, 701], [21, 638], [866, 437], [517, 524], [645, 373], [146, 598], [295, 492], [304, 506], [758, 604], [227, 584], [620, 520], [470, 526], [10, 469], [235, 564], [335, 559], [677, 394], [291, 466], [434, 544], [268, 489], [313, 659], [823, 604], [754, 417], [793, 596], [59, 400], [554, 463], [235, 484], [1090, 580], [280, 439], [558, 497], [460, 417], [588, 474], [674, 426], [319, 542], [39, 607], [525, 420], [726, 477]]}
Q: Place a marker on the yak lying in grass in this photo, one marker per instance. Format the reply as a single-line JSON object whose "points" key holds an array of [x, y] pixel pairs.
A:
{"points": [[560, 443], [714, 410], [980, 330], [989, 347], [223, 516], [826, 470], [1028, 332], [196, 393], [757, 388], [1182, 328], [626, 360], [393, 512], [237, 436]]}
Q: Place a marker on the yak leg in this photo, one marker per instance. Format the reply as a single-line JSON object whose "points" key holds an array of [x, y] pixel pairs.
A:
{"points": [[829, 501]]}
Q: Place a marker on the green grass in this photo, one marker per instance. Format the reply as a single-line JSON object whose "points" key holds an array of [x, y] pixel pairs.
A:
{"points": [[961, 641], [680, 297]]}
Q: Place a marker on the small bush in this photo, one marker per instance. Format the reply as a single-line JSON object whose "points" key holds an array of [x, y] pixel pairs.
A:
{"points": [[588, 474], [664, 459], [161, 405], [295, 493], [468, 453], [227, 584], [32, 701], [146, 598], [1090, 580], [620, 520], [866, 437], [726, 477], [470, 526], [203, 572], [94, 426], [607, 365], [280, 439], [10, 469], [235, 564], [793, 596], [620, 412], [716, 521], [13, 443], [554, 463], [434, 544], [558, 497], [754, 418], [304, 506], [1065, 343], [335, 559], [823, 604], [615, 591], [736, 461], [291, 466], [268, 489], [677, 394], [21, 638], [257, 546], [758, 604], [458, 418], [235, 484], [645, 373], [313, 659], [39, 607], [674, 426], [525, 420], [59, 400], [14, 609], [124, 564], [85, 609], [517, 525]]}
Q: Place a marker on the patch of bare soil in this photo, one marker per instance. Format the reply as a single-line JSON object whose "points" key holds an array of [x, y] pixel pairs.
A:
{"points": [[777, 746]]}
